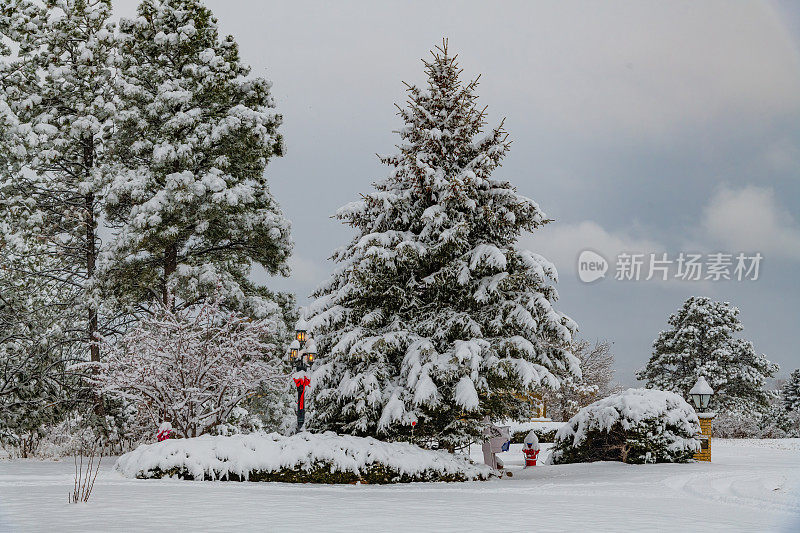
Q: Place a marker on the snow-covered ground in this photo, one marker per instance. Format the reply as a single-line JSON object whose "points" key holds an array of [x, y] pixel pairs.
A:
{"points": [[752, 485]]}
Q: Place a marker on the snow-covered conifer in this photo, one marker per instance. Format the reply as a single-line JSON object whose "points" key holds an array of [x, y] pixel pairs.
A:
{"points": [[791, 392], [434, 316], [58, 101], [31, 332], [191, 206], [701, 342], [36, 344], [191, 367]]}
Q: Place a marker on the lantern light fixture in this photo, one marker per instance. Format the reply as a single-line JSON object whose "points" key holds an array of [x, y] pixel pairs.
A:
{"points": [[302, 353], [310, 350], [294, 349], [301, 328], [701, 393]]}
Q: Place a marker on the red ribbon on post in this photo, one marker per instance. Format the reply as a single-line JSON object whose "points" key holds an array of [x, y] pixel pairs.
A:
{"points": [[302, 382]]}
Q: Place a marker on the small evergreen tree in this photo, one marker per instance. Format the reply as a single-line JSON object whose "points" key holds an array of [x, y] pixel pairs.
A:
{"points": [[701, 342], [191, 207], [791, 392], [434, 316]]}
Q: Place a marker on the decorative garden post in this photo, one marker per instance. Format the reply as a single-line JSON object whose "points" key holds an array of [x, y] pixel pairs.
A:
{"points": [[701, 394], [302, 353]]}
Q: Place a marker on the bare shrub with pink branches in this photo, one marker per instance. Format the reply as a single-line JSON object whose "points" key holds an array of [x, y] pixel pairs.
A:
{"points": [[190, 367]]}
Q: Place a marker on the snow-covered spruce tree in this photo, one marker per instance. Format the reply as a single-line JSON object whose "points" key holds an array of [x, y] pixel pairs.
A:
{"points": [[57, 86], [701, 342], [791, 392], [191, 206], [190, 367], [595, 382], [434, 316]]}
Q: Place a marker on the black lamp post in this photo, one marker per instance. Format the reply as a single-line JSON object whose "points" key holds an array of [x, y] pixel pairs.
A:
{"points": [[302, 352]]}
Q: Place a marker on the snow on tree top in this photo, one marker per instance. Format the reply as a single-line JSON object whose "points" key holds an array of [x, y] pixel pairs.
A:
{"points": [[311, 346]]}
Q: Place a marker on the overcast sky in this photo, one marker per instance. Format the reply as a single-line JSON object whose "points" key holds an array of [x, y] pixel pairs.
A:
{"points": [[638, 126]]}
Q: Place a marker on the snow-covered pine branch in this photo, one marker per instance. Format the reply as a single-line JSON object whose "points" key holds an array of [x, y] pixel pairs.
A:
{"points": [[701, 342], [191, 367], [434, 315], [37, 341]]}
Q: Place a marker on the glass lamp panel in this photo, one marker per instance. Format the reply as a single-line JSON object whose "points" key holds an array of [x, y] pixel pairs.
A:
{"points": [[696, 400], [705, 398]]}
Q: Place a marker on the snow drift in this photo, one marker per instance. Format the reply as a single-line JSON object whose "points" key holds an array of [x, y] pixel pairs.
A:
{"points": [[301, 458], [634, 426]]}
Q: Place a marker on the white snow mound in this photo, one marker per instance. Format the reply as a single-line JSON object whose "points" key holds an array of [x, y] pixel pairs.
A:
{"points": [[220, 457]]}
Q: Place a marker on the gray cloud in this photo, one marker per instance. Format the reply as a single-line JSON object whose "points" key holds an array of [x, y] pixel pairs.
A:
{"points": [[751, 219]]}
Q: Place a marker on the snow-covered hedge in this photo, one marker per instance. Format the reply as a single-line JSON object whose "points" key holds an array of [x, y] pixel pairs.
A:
{"points": [[302, 458], [634, 426]]}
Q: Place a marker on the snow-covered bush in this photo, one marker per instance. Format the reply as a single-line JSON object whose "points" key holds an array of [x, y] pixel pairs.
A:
{"points": [[634, 426], [76, 432], [301, 458], [773, 423], [191, 367], [276, 414]]}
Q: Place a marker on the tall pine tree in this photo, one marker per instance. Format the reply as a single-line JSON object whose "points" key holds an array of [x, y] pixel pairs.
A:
{"points": [[434, 317], [701, 342], [191, 208], [58, 91]]}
